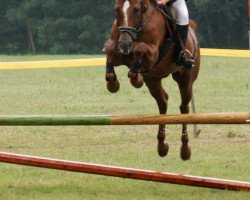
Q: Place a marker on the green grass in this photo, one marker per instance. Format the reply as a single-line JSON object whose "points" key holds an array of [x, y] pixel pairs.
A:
{"points": [[220, 151]]}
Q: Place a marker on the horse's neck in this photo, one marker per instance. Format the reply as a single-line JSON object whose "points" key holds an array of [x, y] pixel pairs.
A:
{"points": [[157, 23], [152, 4]]}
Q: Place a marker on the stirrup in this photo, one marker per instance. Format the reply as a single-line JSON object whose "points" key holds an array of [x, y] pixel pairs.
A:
{"points": [[185, 61]]}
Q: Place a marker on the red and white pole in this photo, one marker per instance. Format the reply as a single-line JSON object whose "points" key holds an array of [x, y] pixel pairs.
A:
{"points": [[121, 172]]}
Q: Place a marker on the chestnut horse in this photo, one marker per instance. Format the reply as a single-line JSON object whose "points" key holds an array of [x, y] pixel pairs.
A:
{"points": [[137, 39]]}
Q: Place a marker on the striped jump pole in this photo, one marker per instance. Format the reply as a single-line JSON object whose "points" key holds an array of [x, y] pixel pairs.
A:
{"points": [[123, 172], [82, 120]]}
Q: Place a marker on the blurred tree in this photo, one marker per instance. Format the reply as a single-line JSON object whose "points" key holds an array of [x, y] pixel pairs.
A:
{"points": [[221, 24], [82, 26], [25, 13], [10, 36]]}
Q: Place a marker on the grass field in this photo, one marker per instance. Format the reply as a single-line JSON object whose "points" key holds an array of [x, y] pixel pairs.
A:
{"points": [[220, 151]]}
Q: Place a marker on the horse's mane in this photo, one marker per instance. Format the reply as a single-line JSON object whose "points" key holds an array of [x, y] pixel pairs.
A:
{"points": [[193, 25]]}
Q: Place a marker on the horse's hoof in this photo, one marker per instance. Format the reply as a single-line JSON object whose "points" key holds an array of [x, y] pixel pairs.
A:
{"points": [[110, 77], [185, 153], [113, 86], [132, 75], [137, 82], [162, 149]]}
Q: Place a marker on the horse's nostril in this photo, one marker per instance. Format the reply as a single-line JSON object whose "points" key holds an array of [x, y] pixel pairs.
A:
{"points": [[130, 44], [125, 46], [122, 45]]}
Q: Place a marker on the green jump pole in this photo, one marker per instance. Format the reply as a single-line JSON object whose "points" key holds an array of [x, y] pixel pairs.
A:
{"points": [[82, 120]]}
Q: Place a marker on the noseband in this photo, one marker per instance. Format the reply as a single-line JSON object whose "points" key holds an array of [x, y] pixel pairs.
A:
{"points": [[133, 32]]}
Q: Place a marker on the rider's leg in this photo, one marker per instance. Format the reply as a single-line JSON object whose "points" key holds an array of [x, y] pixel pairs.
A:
{"points": [[181, 11]]}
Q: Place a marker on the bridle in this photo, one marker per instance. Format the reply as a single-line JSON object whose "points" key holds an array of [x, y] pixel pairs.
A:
{"points": [[135, 31]]}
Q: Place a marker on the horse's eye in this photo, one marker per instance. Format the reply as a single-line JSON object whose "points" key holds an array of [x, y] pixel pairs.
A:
{"points": [[136, 9], [143, 7]]}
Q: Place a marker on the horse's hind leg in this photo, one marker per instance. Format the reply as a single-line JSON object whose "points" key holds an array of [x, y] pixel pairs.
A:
{"points": [[161, 97], [186, 95]]}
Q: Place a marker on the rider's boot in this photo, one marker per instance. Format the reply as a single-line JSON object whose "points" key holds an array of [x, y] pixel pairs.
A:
{"points": [[181, 57]]}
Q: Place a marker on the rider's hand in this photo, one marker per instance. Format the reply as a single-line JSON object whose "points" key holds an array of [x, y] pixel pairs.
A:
{"points": [[162, 2]]}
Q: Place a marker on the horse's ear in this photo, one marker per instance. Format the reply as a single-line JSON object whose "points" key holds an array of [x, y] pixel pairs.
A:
{"points": [[143, 7]]}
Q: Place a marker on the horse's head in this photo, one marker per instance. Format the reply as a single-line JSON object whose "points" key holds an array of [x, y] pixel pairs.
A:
{"points": [[129, 14]]}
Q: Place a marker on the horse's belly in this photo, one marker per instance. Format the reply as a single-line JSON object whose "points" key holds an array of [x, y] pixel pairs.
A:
{"points": [[166, 67], [163, 70]]}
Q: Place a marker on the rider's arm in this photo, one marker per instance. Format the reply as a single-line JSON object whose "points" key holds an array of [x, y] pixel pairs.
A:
{"points": [[164, 2]]}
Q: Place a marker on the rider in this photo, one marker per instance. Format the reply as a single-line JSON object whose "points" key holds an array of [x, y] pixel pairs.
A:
{"points": [[180, 8]]}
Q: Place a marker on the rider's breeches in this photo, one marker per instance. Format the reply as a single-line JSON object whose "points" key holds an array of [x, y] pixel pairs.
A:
{"points": [[181, 12]]}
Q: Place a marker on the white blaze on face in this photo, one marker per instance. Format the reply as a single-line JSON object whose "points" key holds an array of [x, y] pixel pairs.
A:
{"points": [[125, 11]]}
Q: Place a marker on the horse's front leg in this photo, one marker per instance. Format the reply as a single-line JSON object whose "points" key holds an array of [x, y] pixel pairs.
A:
{"points": [[144, 54], [113, 84], [161, 97]]}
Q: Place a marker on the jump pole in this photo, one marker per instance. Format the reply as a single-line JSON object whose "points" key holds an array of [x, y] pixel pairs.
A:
{"points": [[82, 120], [129, 173]]}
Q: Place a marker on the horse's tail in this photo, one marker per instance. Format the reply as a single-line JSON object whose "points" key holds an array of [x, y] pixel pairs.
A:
{"points": [[193, 25]]}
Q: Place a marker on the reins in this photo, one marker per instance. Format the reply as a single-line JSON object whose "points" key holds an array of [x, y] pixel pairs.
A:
{"points": [[162, 9]]}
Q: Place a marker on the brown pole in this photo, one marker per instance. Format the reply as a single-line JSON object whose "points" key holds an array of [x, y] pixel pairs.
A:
{"points": [[123, 172], [211, 118]]}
